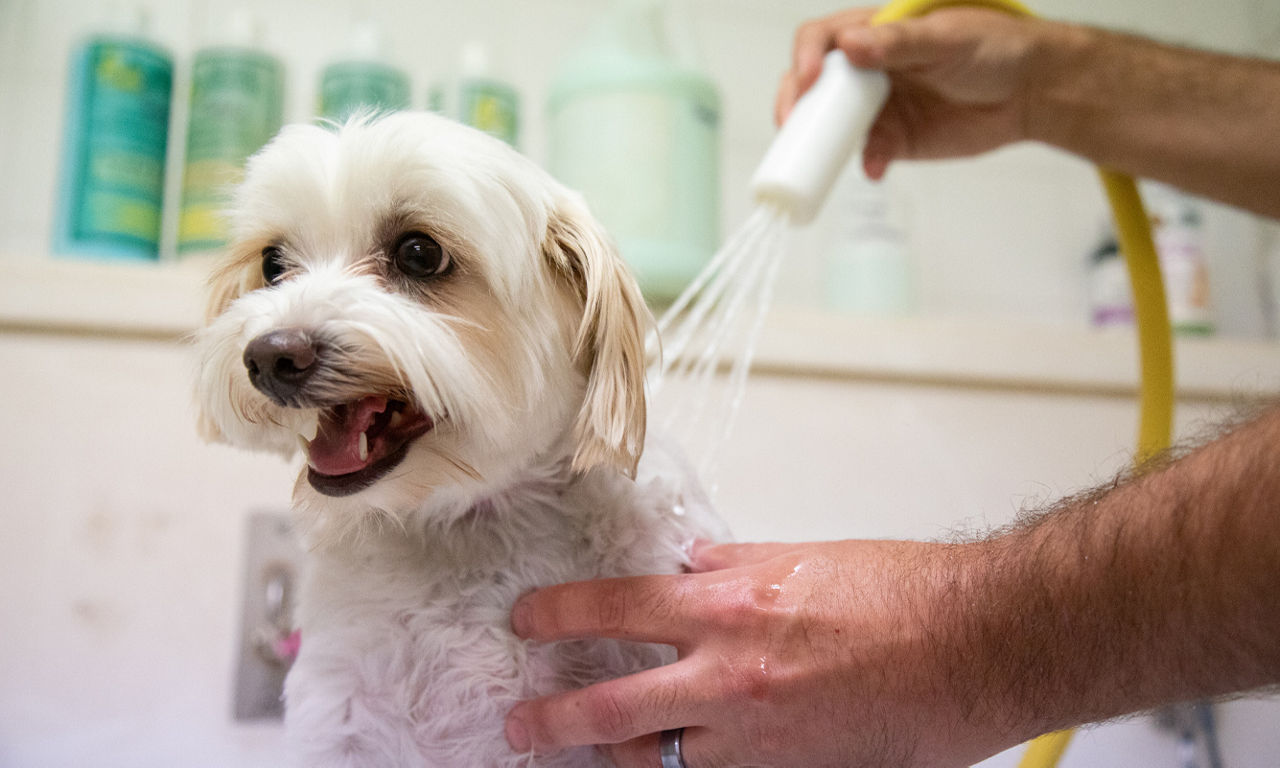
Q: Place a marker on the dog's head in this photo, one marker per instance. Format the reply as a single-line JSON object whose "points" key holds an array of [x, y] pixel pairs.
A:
{"points": [[425, 309]]}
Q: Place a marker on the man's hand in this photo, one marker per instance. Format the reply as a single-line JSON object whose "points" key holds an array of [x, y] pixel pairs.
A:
{"points": [[959, 78], [966, 80], [1159, 587], [790, 655]]}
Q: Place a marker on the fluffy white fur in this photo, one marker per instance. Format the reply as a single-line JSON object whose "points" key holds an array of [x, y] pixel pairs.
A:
{"points": [[527, 356]]}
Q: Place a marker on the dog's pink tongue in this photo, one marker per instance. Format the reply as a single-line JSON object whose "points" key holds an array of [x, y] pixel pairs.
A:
{"points": [[336, 449]]}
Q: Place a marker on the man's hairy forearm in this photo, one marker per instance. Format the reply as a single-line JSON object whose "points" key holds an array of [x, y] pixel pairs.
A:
{"points": [[1206, 122], [1159, 588]]}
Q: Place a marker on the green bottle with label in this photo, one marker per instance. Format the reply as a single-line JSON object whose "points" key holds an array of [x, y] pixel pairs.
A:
{"points": [[237, 106], [111, 186], [362, 80], [477, 98]]}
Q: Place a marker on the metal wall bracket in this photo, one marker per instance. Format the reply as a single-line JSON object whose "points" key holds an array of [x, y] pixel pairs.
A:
{"points": [[268, 640]]}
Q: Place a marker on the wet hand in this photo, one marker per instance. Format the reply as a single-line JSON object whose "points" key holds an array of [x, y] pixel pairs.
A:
{"points": [[804, 655]]}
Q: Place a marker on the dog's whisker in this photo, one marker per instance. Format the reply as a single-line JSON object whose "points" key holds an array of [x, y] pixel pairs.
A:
{"points": [[366, 265]]}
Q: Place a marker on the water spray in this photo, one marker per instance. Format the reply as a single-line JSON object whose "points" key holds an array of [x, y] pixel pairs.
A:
{"points": [[719, 316]]}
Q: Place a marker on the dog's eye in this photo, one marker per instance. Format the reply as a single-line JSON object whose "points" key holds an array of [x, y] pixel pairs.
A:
{"points": [[273, 266], [420, 256]]}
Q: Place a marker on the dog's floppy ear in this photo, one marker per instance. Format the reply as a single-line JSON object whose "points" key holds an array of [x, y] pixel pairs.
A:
{"points": [[610, 340], [234, 277], [226, 283]]}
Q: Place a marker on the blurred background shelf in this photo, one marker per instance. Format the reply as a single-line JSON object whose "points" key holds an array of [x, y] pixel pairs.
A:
{"points": [[102, 298], [165, 302], [988, 353]]}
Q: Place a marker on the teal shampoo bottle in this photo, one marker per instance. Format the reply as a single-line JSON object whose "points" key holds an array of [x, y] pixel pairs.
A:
{"points": [[362, 81], [111, 189], [237, 105], [477, 98]]}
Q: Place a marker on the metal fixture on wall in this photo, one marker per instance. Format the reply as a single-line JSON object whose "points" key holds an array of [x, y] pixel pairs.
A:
{"points": [[268, 640]]}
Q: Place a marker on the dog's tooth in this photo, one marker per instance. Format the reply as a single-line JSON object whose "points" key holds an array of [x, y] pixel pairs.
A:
{"points": [[309, 428], [304, 446], [396, 418], [364, 446]]}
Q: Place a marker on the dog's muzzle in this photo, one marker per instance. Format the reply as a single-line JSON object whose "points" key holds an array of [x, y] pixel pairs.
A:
{"points": [[280, 363]]}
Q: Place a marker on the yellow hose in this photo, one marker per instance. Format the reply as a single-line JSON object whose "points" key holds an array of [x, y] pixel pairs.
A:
{"points": [[1045, 751], [1155, 348], [1155, 342]]}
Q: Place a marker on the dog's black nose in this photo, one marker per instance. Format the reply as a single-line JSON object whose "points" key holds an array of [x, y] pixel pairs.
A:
{"points": [[280, 362]]}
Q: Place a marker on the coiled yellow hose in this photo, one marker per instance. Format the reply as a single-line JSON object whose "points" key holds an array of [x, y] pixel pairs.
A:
{"points": [[1155, 347]]}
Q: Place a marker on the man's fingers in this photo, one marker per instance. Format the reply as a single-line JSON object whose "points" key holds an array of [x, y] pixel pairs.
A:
{"points": [[640, 608], [862, 45], [786, 98], [696, 749], [718, 557], [607, 713], [913, 43], [640, 752], [887, 46], [886, 142], [815, 38]]}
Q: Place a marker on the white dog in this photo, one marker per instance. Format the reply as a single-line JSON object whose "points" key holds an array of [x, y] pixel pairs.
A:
{"points": [[458, 350]]}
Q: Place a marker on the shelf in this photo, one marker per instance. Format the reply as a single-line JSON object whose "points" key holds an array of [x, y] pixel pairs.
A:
{"points": [[102, 297], [166, 301], [1011, 355]]}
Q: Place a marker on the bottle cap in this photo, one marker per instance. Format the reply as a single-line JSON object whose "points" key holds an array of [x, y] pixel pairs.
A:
{"points": [[367, 41], [236, 27], [242, 28], [474, 59], [124, 18]]}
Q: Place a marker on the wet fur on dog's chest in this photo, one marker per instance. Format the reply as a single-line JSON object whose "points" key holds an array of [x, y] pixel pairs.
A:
{"points": [[415, 626]]}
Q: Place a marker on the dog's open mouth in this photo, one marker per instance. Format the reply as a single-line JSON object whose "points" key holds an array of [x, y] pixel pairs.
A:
{"points": [[359, 442]]}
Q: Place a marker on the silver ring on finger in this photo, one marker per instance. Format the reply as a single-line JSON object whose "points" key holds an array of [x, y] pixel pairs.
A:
{"points": [[669, 748]]}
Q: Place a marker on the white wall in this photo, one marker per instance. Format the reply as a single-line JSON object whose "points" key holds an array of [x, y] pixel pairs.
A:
{"points": [[120, 569], [121, 556], [1003, 236]]}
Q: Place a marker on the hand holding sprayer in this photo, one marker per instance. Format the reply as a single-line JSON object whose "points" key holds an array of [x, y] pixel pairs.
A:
{"points": [[827, 125]]}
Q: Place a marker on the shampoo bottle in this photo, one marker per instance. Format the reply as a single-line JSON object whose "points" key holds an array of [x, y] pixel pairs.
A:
{"points": [[362, 80], [237, 98], [111, 189], [868, 268], [478, 98], [635, 127], [1178, 231], [1110, 298]]}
